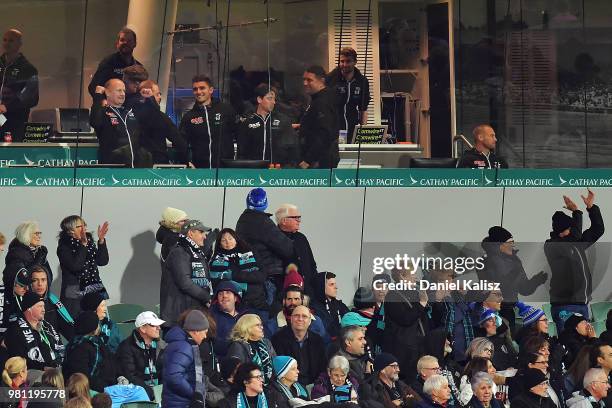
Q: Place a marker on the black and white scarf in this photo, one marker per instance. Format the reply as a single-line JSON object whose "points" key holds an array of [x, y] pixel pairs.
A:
{"points": [[199, 268], [89, 277]]}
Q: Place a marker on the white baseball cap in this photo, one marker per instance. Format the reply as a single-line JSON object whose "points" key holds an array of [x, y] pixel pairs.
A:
{"points": [[148, 318]]}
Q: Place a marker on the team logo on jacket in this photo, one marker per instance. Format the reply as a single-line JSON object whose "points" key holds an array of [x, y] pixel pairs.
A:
{"points": [[114, 121], [479, 163], [357, 90], [217, 116], [197, 121], [35, 354], [276, 122], [15, 71], [254, 125]]}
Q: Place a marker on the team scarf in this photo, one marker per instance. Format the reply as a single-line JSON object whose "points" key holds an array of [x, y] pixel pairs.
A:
{"points": [[261, 356], [296, 387], [89, 276], [49, 338], [150, 353], [61, 309], [96, 341], [342, 393], [242, 402], [199, 270]]}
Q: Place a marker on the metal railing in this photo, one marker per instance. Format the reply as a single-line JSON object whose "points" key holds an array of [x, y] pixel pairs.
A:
{"points": [[464, 141]]}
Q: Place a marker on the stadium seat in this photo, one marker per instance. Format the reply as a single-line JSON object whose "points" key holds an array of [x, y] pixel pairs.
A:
{"points": [[552, 329], [140, 404], [125, 329], [124, 312], [599, 327], [599, 311], [546, 307]]}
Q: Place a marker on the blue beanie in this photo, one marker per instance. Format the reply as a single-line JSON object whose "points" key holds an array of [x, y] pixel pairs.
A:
{"points": [[529, 314], [354, 319], [282, 364], [257, 199], [488, 314]]}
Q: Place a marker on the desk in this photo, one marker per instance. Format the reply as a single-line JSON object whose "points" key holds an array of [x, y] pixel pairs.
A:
{"points": [[48, 154], [385, 155]]}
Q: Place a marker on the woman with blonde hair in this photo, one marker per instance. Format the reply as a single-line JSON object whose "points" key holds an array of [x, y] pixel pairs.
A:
{"points": [[248, 344], [78, 402], [15, 375], [78, 386]]}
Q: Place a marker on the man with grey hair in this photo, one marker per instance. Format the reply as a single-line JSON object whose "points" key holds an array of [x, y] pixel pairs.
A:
{"points": [[289, 219], [596, 386], [353, 348], [426, 367], [18, 87]]}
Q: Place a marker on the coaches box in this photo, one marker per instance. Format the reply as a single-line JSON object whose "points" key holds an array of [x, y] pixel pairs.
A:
{"points": [[69, 124]]}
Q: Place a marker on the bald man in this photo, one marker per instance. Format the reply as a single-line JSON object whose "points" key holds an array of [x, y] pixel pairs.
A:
{"points": [[306, 346], [482, 155], [116, 127], [18, 85]]}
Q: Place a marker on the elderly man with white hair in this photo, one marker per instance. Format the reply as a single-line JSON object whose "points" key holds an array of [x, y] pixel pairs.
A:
{"points": [[288, 219], [596, 387], [436, 392]]}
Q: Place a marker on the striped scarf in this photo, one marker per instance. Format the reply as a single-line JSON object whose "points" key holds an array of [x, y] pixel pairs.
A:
{"points": [[296, 387], [261, 356], [448, 320]]}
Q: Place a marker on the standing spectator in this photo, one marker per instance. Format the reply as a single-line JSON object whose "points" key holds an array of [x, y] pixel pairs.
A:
{"points": [[319, 125], [249, 344], [305, 346], [18, 88], [234, 260], [577, 332], [55, 311], [109, 332], [436, 392], [226, 308], [326, 304], [596, 388], [138, 354], [353, 348], [185, 282], [536, 391], [87, 354], [272, 248], [248, 390], [336, 382], [484, 397], [384, 389], [406, 324], [167, 235], [113, 65], [32, 337], [289, 220], [571, 282], [502, 265], [79, 258], [24, 251], [183, 376]]}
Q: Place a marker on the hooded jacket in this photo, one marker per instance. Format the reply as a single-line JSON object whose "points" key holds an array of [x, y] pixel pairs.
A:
{"points": [[473, 159], [185, 282], [270, 246], [319, 131], [139, 363], [89, 355], [352, 97], [219, 120], [19, 87], [225, 324], [57, 314], [329, 310], [571, 281]]}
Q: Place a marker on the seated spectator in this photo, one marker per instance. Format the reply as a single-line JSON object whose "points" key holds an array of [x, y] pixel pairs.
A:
{"points": [[101, 400], [32, 337], [79, 257], [169, 229], [52, 378], [577, 332], [535, 323], [12, 305], [536, 391], [384, 389], [436, 392], [272, 248], [77, 386], [138, 354], [78, 402], [439, 346], [183, 377], [326, 305], [289, 219], [482, 387], [293, 296], [363, 315], [534, 360], [305, 346], [493, 328], [55, 311], [475, 366], [596, 386], [572, 380], [352, 347], [426, 367], [553, 352], [601, 357], [88, 354], [185, 282], [234, 260], [336, 382], [248, 344], [226, 308], [109, 332], [15, 373], [248, 390], [480, 347], [286, 382]]}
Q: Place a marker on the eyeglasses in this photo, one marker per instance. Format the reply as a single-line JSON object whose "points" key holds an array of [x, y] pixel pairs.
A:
{"points": [[432, 368], [295, 217], [488, 350], [258, 377]]}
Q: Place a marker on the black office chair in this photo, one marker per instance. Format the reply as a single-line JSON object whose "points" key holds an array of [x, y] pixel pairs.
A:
{"points": [[433, 163]]}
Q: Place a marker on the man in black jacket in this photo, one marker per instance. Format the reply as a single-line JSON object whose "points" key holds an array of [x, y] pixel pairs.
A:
{"points": [[272, 248], [210, 127], [352, 92], [113, 65], [18, 87], [138, 354], [297, 341], [319, 125], [571, 283], [482, 155]]}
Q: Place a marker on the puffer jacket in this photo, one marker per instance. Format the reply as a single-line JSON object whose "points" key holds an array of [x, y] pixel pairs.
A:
{"points": [[179, 376]]}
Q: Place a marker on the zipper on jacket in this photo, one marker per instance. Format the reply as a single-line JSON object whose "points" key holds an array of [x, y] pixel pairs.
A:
{"points": [[127, 131]]}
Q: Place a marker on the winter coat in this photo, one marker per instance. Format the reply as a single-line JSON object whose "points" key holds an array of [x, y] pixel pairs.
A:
{"points": [[475, 403], [329, 310], [434, 346], [275, 323], [505, 355], [323, 386], [185, 282], [77, 262], [352, 97], [531, 400], [225, 324], [373, 393], [319, 131], [304, 259], [245, 352], [357, 365], [309, 354], [454, 314], [168, 240], [427, 402], [179, 376], [110, 67], [22, 340], [473, 159], [140, 363], [89, 355], [572, 341], [571, 281], [242, 268], [406, 325]]}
